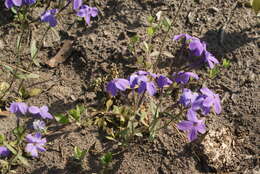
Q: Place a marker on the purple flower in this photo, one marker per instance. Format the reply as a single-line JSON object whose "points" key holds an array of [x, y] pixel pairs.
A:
{"points": [[136, 78], [184, 77], [77, 4], [39, 125], [210, 59], [117, 84], [211, 99], [185, 36], [49, 16], [86, 12], [4, 151], [29, 2], [147, 86], [18, 108], [188, 97], [11, 3], [196, 47], [197, 104], [192, 126], [42, 111], [141, 81], [35, 144], [163, 81]]}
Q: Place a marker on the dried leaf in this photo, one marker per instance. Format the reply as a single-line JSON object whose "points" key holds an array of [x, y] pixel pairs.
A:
{"points": [[62, 55], [168, 54], [155, 53]]}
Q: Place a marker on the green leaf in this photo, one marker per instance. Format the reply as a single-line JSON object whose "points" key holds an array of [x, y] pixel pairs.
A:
{"points": [[110, 138], [109, 103], [106, 159], [9, 147], [146, 47], [213, 72], [151, 31], [13, 10], [23, 93], [226, 63], [33, 49], [23, 160], [134, 39], [36, 62], [79, 154], [150, 19], [256, 6], [63, 119], [2, 138], [8, 68], [27, 76]]}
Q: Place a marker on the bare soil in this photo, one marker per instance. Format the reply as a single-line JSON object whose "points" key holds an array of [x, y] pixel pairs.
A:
{"points": [[230, 146]]}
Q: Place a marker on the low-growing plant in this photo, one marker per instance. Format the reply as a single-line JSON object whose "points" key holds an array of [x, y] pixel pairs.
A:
{"points": [[28, 140]]}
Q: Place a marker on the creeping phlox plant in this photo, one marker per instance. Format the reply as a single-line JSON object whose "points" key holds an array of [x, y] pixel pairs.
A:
{"points": [[28, 138], [144, 112]]}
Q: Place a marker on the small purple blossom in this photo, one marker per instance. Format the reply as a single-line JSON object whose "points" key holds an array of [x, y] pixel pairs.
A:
{"points": [[188, 97], [163, 81], [184, 77], [35, 144], [141, 81], [197, 104], [49, 16], [185, 36], [192, 126], [28, 2], [18, 108], [136, 78], [4, 152], [11, 3], [211, 99], [42, 112], [116, 85], [196, 47], [210, 59], [77, 4], [87, 12], [39, 125], [147, 86]]}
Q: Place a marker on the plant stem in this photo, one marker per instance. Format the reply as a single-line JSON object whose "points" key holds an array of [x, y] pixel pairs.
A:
{"points": [[37, 51], [155, 67], [14, 73]]}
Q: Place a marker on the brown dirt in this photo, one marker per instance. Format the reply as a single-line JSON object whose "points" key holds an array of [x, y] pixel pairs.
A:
{"points": [[230, 145]]}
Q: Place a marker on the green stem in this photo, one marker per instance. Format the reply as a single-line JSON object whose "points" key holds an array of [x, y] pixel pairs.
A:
{"points": [[155, 67], [37, 51]]}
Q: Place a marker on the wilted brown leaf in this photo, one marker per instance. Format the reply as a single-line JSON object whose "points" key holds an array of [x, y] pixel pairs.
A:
{"points": [[62, 55]]}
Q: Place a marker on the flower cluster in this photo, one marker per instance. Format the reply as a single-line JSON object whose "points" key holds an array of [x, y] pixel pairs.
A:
{"points": [[81, 10], [143, 81], [198, 48], [35, 142], [198, 102]]}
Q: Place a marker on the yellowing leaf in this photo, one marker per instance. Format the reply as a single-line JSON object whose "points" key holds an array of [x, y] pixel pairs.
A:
{"points": [[34, 92], [256, 5]]}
